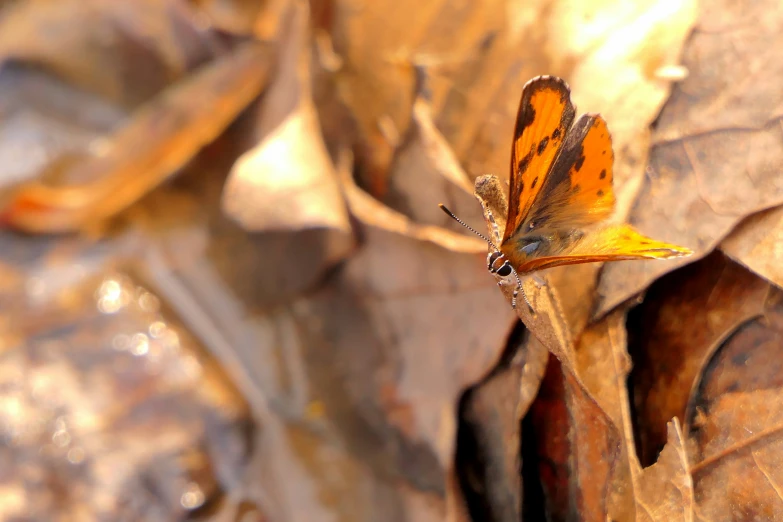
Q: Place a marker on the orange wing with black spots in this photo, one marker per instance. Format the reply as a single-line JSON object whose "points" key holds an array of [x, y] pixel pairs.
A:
{"points": [[545, 114], [578, 191]]}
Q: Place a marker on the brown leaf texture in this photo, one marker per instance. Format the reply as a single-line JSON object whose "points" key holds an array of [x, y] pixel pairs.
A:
{"points": [[665, 489], [687, 316], [159, 139], [711, 167], [288, 181], [734, 423], [757, 243], [125, 54]]}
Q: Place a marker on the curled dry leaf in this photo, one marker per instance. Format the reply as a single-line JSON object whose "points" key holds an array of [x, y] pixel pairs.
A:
{"points": [[125, 52], [288, 182], [488, 443], [735, 423], [711, 167], [595, 432], [665, 489], [578, 446], [686, 317], [425, 172], [371, 212], [757, 243], [159, 139]]}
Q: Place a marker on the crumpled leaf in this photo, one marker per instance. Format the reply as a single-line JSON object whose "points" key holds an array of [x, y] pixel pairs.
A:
{"points": [[125, 52], [371, 212], [710, 167], [488, 442], [686, 317], [734, 422], [578, 447], [288, 181], [757, 243], [425, 173], [665, 489], [158, 140]]}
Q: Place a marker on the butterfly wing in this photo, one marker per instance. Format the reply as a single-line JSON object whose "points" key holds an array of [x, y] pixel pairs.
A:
{"points": [[611, 243], [545, 114], [578, 190]]}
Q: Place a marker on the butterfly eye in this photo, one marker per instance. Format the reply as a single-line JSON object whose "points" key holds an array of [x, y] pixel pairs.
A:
{"points": [[504, 270], [494, 257], [531, 247]]}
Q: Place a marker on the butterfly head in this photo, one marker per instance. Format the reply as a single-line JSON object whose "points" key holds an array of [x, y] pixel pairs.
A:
{"points": [[497, 262]]}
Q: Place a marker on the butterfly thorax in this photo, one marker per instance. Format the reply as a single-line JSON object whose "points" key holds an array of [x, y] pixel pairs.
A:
{"points": [[520, 249]]}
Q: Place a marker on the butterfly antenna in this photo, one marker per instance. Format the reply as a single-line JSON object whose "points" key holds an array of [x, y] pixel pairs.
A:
{"points": [[458, 220]]}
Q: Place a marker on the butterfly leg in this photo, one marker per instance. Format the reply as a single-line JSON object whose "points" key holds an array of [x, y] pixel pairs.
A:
{"points": [[520, 289]]}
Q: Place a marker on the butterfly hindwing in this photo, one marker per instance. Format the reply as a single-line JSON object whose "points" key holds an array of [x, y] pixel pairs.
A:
{"points": [[578, 190], [545, 114], [609, 243]]}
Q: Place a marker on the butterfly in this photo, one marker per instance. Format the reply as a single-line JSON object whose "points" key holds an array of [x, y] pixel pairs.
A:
{"points": [[560, 189]]}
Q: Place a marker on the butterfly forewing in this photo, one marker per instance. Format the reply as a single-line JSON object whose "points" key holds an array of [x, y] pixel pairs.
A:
{"points": [[545, 114], [578, 190]]}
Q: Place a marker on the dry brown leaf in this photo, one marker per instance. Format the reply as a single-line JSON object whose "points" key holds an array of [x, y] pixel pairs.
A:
{"points": [[381, 44], [757, 243], [44, 121], [735, 421], [393, 401], [686, 317], [288, 181], [159, 139], [734, 74], [665, 489], [425, 172], [578, 446], [488, 445], [711, 167], [371, 212], [125, 52]]}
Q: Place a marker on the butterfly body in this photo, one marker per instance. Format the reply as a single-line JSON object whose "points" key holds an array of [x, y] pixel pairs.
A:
{"points": [[560, 192]]}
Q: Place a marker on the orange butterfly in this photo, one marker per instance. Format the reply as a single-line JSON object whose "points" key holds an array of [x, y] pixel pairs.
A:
{"points": [[561, 183]]}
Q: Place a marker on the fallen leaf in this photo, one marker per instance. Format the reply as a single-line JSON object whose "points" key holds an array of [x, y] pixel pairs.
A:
{"points": [[46, 124], [371, 212], [596, 432], [685, 317], [578, 448], [123, 52], [158, 140], [710, 167], [488, 442], [288, 181], [665, 489], [425, 173], [734, 423], [733, 75], [757, 243]]}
